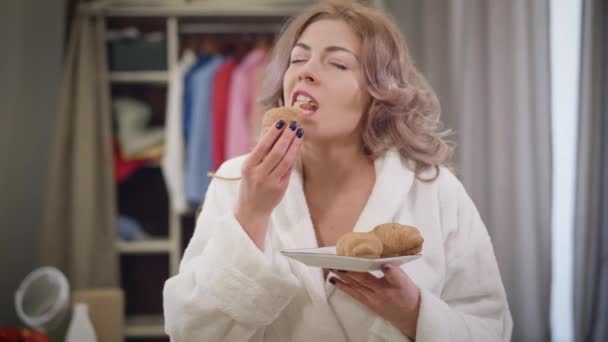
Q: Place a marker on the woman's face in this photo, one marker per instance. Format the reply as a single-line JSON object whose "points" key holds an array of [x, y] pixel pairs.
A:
{"points": [[325, 70]]}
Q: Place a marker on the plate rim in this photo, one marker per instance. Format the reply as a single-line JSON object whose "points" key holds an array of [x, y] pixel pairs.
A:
{"points": [[287, 252]]}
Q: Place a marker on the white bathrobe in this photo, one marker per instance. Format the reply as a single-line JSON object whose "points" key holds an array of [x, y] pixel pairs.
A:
{"points": [[228, 290]]}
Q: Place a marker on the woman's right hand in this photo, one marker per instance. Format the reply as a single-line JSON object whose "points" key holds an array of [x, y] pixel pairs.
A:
{"points": [[265, 176]]}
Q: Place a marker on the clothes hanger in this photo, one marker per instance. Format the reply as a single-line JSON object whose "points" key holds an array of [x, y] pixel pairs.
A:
{"points": [[208, 46], [266, 41]]}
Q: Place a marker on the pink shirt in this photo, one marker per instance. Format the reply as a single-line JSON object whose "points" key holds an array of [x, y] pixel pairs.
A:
{"points": [[240, 104]]}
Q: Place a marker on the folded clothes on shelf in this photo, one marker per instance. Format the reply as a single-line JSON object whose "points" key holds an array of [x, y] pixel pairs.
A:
{"points": [[129, 229], [134, 135], [124, 168], [150, 153]]}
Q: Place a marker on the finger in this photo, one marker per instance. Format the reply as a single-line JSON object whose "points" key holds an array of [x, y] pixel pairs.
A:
{"points": [[264, 145], [286, 164], [394, 275], [363, 279], [277, 152], [350, 290], [287, 175]]}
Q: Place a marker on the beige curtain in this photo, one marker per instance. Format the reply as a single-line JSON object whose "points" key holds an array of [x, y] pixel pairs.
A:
{"points": [[489, 63], [591, 213], [78, 233]]}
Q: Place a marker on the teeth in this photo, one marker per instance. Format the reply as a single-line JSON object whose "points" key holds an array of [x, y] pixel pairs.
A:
{"points": [[303, 98]]}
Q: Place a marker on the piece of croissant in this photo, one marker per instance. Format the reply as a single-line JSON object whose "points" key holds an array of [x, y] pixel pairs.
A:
{"points": [[271, 117], [398, 240], [363, 245], [287, 114]]}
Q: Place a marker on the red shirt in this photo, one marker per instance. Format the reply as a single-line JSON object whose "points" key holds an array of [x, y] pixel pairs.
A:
{"points": [[219, 109]]}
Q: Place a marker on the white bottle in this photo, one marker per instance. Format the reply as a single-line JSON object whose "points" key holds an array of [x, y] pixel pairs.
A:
{"points": [[81, 329]]}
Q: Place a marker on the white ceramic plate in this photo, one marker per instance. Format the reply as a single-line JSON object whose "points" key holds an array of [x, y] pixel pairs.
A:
{"points": [[325, 257]]}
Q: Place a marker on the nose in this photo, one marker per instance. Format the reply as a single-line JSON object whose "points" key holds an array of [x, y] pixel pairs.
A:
{"points": [[307, 77], [307, 74]]}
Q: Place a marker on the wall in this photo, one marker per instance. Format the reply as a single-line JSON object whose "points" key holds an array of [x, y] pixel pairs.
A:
{"points": [[31, 36]]}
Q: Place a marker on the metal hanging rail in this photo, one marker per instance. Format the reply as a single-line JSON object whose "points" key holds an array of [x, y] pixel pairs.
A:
{"points": [[215, 28]]}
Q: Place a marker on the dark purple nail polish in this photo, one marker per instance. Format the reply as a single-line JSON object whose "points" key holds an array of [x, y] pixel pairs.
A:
{"points": [[332, 281], [293, 125], [341, 271], [300, 132], [280, 124]]}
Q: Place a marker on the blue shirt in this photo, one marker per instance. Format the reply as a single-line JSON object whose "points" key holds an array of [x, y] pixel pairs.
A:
{"points": [[201, 60], [199, 150]]}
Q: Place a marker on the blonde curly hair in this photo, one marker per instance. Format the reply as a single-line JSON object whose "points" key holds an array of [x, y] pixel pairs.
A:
{"points": [[404, 111]]}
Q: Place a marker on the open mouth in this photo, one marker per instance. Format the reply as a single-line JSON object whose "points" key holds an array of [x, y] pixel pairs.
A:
{"points": [[304, 101]]}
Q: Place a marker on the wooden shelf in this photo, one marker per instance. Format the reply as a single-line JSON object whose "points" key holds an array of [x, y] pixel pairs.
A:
{"points": [[145, 246], [139, 77], [215, 8], [144, 326]]}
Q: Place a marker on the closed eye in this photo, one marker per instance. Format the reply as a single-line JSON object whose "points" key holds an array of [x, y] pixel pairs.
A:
{"points": [[294, 61], [339, 66]]}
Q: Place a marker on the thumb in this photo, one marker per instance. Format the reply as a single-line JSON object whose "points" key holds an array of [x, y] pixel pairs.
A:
{"points": [[394, 275]]}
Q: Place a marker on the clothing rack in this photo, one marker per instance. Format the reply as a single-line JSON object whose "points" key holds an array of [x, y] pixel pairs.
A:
{"points": [[112, 8]]}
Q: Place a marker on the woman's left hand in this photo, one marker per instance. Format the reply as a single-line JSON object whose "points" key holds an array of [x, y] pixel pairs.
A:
{"points": [[394, 297]]}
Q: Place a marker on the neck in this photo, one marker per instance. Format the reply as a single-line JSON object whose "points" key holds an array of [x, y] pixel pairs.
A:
{"points": [[334, 165]]}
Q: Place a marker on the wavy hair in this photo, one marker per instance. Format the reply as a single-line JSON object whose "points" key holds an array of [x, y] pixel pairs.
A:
{"points": [[404, 111]]}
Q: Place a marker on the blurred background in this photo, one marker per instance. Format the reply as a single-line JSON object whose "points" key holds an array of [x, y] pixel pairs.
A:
{"points": [[102, 103]]}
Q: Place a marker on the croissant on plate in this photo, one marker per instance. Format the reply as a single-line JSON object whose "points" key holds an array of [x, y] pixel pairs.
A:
{"points": [[363, 245], [384, 241], [398, 240]]}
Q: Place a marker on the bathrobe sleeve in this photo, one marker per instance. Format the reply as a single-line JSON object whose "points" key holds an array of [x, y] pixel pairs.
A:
{"points": [[473, 304], [226, 288]]}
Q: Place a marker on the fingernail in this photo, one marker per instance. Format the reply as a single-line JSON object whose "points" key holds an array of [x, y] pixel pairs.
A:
{"points": [[293, 125], [332, 281], [385, 269], [280, 124], [300, 132]]}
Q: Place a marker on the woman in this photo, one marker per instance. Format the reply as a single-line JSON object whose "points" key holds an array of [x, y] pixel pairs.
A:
{"points": [[372, 154]]}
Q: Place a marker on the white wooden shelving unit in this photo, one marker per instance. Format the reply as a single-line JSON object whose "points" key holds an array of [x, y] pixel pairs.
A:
{"points": [[172, 12]]}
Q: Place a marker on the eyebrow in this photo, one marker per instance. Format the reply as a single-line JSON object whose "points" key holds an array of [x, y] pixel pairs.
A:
{"points": [[328, 49]]}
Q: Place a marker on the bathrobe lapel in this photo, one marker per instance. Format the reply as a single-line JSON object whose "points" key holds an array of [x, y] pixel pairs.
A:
{"points": [[291, 227], [388, 200]]}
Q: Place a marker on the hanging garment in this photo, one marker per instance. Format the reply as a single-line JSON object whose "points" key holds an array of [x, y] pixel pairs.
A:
{"points": [[189, 94], [199, 149], [238, 136], [173, 158], [219, 109], [257, 112]]}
